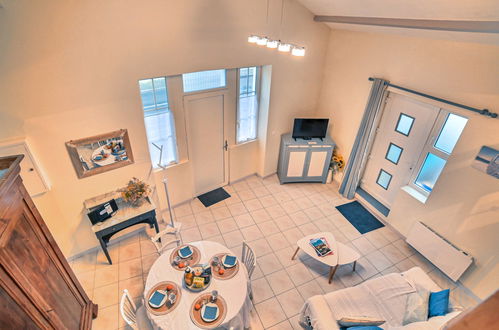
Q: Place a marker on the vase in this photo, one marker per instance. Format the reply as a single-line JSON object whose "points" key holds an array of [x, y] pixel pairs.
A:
{"points": [[138, 202]]}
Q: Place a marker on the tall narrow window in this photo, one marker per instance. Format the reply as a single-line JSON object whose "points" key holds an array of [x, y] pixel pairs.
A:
{"points": [[159, 122], [247, 109], [442, 141]]}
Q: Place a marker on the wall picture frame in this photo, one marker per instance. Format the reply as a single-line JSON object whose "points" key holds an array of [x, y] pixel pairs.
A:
{"points": [[100, 153]]}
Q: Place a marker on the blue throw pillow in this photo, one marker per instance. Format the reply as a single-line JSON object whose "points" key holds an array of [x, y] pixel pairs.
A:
{"points": [[439, 303], [365, 327]]}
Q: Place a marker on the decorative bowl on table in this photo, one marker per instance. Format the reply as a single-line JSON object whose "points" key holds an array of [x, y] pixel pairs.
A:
{"points": [[197, 278]]}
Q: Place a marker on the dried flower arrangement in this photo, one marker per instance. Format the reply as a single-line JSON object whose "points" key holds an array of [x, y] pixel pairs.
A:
{"points": [[337, 162], [135, 191]]}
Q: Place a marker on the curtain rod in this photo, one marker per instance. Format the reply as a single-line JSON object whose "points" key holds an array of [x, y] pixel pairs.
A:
{"points": [[484, 112]]}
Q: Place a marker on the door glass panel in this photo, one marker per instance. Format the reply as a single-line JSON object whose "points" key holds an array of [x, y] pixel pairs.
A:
{"points": [[203, 80], [430, 171], [384, 179], [450, 133], [393, 153], [404, 124]]}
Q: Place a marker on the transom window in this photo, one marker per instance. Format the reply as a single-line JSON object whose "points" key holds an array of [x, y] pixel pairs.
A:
{"points": [[159, 121], [247, 109], [204, 80]]}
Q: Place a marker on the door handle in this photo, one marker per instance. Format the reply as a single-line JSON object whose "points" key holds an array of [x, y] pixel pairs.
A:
{"points": [[226, 145]]}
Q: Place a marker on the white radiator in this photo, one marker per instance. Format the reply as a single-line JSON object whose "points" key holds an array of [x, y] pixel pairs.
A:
{"points": [[447, 257]]}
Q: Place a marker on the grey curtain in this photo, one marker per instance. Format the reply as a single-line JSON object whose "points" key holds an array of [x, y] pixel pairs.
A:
{"points": [[363, 141]]}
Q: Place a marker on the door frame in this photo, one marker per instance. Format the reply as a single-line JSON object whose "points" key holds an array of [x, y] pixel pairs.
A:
{"points": [[201, 95]]}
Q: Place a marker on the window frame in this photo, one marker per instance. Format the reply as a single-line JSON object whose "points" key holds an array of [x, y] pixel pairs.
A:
{"points": [[225, 87], [429, 147], [257, 94], [158, 111]]}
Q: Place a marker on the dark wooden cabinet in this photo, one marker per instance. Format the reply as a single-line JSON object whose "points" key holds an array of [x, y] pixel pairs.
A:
{"points": [[38, 289]]}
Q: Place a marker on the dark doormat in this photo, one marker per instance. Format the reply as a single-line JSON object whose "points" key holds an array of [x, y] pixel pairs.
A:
{"points": [[213, 197], [359, 217]]}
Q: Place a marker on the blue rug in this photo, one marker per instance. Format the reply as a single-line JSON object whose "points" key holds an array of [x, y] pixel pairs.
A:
{"points": [[213, 197], [359, 217]]}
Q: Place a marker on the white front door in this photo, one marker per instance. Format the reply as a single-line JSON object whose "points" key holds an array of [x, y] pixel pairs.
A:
{"points": [[206, 140], [401, 135]]}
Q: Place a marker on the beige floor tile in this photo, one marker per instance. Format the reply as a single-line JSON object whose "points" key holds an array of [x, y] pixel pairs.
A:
{"points": [[275, 211], [204, 217], [227, 225], [251, 233], [304, 202], [405, 265], [237, 209], [299, 218], [291, 206], [221, 213], [282, 197], [363, 245], [338, 220], [130, 268], [106, 295], [148, 261], [129, 251], [310, 289], [255, 323], [261, 290], [269, 263], [295, 322], [114, 253], [293, 235], [84, 263], [270, 312], [233, 238], [253, 205], [390, 234], [377, 238], [315, 267], [390, 270], [268, 200], [280, 282], [260, 216], [284, 255], [347, 276], [187, 221], [182, 210], [106, 275], [285, 325], [240, 186], [327, 287], [350, 232], [365, 269], [299, 274], [244, 220], [379, 260], [148, 247], [291, 301], [422, 262], [209, 230], [107, 319], [268, 228], [260, 247], [284, 222], [309, 228], [134, 285], [190, 235], [87, 280], [392, 253], [260, 191], [246, 195], [404, 248], [218, 239], [314, 213]]}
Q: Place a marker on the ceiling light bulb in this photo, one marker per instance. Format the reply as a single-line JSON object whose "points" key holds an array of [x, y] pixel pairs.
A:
{"points": [[272, 43], [284, 47], [252, 39], [262, 41], [298, 51]]}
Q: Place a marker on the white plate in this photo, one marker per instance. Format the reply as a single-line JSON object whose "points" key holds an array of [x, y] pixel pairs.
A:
{"points": [[210, 305], [162, 301], [183, 256], [228, 266]]}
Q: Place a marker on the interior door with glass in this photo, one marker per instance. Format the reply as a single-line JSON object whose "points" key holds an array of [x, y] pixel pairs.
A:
{"points": [[207, 145], [400, 138]]}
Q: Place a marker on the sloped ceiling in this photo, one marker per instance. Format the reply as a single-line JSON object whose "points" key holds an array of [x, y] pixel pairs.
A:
{"points": [[477, 10]]}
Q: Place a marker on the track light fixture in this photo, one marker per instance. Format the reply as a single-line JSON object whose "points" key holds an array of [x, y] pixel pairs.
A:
{"points": [[282, 47]]}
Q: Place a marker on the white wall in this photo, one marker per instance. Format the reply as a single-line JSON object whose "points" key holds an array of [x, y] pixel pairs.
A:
{"points": [[463, 206], [70, 69]]}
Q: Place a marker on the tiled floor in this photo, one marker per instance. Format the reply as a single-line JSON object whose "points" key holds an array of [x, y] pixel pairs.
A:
{"points": [[271, 217]]}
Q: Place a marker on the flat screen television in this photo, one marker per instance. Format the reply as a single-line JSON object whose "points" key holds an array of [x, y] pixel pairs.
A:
{"points": [[307, 129]]}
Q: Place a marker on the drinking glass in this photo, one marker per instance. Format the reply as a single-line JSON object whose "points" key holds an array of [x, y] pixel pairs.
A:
{"points": [[216, 262], [176, 260], [214, 296], [172, 297]]}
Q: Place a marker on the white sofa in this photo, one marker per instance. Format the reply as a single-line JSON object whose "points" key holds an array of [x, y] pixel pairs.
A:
{"points": [[383, 297]]}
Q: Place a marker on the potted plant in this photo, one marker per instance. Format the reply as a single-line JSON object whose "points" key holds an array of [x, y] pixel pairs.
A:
{"points": [[337, 164], [135, 192]]}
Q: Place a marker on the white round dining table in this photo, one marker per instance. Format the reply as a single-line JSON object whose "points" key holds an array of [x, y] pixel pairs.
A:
{"points": [[235, 292]]}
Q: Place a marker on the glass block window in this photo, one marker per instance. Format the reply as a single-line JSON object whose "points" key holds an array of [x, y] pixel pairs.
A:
{"points": [[159, 121], [393, 153], [430, 171], [384, 179], [450, 133], [203, 80], [247, 109], [404, 124]]}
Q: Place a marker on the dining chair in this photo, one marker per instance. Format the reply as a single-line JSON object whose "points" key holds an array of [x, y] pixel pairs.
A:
{"points": [[249, 260], [160, 240], [133, 316]]}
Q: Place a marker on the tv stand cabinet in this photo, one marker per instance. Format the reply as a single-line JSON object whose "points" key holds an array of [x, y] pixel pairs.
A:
{"points": [[304, 160]]}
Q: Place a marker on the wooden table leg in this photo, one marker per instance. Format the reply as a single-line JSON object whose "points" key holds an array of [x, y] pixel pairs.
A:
{"points": [[296, 252], [354, 264], [332, 270]]}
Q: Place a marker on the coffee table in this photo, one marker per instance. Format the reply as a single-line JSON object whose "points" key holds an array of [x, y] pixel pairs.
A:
{"points": [[342, 254]]}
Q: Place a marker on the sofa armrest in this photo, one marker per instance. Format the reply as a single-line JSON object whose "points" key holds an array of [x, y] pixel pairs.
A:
{"points": [[319, 314]]}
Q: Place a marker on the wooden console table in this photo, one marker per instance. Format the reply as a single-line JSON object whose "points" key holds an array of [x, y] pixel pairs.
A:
{"points": [[125, 217]]}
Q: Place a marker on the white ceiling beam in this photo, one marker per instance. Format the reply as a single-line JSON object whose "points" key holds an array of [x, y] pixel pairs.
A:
{"points": [[425, 24]]}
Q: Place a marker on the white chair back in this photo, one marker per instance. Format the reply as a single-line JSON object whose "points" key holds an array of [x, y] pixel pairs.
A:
{"points": [[249, 259], [173, 232], [128, 309]]}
